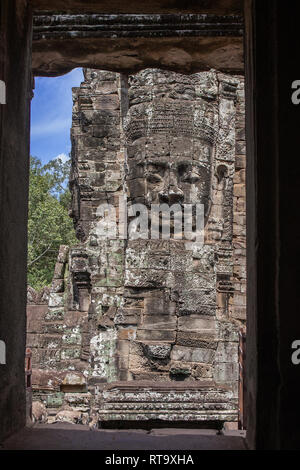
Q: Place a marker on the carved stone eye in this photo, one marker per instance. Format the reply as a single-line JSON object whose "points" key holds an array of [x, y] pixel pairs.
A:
{"points": [[187, 173], [153, 178], [191, 177]]}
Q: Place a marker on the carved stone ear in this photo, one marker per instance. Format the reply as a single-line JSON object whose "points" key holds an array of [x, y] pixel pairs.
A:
{"points": [[221, 172]]}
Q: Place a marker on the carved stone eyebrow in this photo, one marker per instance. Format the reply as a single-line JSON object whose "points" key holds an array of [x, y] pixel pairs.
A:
{"points": [[161, 163], [184, 163]]}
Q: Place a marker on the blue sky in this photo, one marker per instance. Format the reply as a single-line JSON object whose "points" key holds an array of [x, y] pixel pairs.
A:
{"points": [[51, 115]]}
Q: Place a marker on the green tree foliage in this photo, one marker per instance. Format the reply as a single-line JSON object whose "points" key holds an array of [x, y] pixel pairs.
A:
{"points": [[49, 224]]}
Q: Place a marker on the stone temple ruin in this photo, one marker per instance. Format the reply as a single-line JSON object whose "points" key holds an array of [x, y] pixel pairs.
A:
{"points": [[148, 329]]}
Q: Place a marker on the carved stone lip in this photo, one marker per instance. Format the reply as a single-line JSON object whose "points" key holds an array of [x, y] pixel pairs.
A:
{"points": [[128, 25]]}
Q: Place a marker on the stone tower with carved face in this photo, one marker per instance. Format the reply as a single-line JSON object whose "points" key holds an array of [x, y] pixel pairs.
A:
{"points": [[152, 321]]}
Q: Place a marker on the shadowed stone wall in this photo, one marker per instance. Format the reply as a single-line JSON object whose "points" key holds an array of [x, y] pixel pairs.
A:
{"points": [[15, 72], [150, 321]]}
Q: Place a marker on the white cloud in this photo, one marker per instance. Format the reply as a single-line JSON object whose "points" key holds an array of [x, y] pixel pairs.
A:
{"points": [[63, 157]]}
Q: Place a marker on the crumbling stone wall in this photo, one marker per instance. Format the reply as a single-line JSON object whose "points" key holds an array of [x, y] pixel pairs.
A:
{"points": [[148, 328]]}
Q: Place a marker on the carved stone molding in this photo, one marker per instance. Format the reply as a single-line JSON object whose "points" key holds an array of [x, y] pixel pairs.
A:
{"points": [[135, 26]]}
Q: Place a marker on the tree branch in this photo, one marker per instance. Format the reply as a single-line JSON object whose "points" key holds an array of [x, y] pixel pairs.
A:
{"points": [[39, 257]]}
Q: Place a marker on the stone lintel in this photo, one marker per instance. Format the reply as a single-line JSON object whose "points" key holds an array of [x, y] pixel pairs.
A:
{"points": [[185, 43], [136, 26]]}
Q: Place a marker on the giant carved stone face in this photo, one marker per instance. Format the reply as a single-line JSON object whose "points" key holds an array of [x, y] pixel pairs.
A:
{"points": [[174, 177], [170, 153]]}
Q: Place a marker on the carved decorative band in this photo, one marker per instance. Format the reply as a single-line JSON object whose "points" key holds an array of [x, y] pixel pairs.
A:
{"points": [[140, 128], [127, 26]]}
